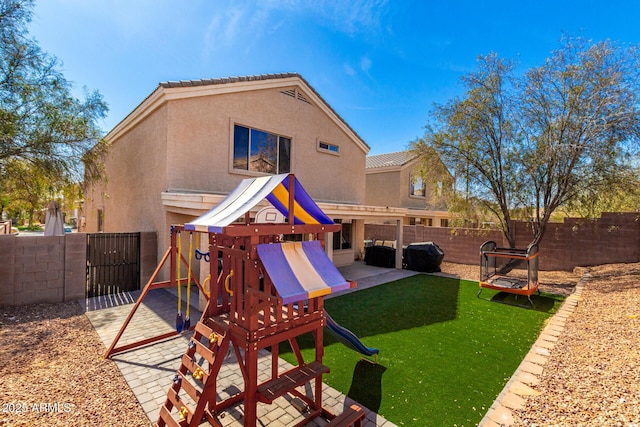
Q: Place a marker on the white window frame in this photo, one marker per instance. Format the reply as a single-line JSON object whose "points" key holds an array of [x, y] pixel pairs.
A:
{"points": [[328, 148]]}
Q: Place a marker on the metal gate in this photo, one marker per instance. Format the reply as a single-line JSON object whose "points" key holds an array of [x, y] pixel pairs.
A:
{"points": [[113, 263]]}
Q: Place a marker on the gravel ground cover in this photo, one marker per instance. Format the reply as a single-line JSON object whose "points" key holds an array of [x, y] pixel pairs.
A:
{"points": [[592, 377], [53, 372]]}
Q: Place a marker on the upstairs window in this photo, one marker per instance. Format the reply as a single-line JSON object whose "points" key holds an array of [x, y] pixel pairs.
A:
{"points": [[259, 151], [416, 188]]}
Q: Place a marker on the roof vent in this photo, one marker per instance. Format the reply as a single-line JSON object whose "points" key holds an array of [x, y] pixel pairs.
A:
{"points": [[295, 93], [290, 92]]}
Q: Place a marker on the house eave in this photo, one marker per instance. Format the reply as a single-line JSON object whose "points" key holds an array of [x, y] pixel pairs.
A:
{"points": [[196, 204], [163, 94]]}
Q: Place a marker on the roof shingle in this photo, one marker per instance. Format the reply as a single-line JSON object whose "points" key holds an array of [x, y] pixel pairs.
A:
{"points": [[399, 158]]}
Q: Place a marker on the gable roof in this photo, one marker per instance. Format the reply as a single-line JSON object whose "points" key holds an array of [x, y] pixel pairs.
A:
{"points": [[202, 87], [388, 160]]}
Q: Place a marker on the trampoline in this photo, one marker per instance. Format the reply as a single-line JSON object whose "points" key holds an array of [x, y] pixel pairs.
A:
{"points": [[503, 269]]}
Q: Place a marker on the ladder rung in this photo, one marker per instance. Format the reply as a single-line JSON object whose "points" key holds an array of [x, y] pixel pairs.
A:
{"points": [[165, 415], [189, 388], [203, 329], [191, 366], [174, 399], [204, 351], [288, 381]]}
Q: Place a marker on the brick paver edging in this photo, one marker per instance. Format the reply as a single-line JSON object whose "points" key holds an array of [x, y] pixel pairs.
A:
{"points": [[521, 384]]}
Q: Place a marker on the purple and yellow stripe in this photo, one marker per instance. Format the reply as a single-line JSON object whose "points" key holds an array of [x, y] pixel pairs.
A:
{"points": [[300, 270], [250, 192], [305, 210]]}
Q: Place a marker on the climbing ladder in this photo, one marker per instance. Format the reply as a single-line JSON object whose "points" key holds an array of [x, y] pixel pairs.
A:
{"points": [[195, 377], [191, 399]]}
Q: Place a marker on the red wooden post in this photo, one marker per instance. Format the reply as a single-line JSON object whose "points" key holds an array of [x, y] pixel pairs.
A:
{"points": [[251, 386]]}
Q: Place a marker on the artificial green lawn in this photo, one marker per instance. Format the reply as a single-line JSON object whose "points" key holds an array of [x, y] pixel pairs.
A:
{"points": [[444, 354]]}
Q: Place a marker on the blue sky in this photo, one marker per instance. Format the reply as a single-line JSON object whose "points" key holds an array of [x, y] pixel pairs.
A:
{"points": [[380, 64]]}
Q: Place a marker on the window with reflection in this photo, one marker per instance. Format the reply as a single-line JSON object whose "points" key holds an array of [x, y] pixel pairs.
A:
{"points": [[416, 188], [259, 151]]}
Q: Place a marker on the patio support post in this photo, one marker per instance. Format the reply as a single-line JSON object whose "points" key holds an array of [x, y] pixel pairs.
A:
{"points": [[399, 244], [328, 245]]}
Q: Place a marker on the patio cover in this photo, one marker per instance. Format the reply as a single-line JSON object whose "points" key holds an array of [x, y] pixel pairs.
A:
{"points": [[250, 192], [301, 270]]}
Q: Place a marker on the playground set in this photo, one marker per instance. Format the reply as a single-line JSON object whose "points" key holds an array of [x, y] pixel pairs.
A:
{"points": [[497, 265], [264, 290]]}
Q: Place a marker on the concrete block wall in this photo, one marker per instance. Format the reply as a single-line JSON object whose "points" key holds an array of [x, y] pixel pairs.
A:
{"points": [[52, 269], [36, 267], [460, 245], [613, 238], [75, 271], [7, 256]]}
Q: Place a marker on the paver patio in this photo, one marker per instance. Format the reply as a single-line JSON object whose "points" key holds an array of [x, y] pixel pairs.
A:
{"points": [[149, 369]]}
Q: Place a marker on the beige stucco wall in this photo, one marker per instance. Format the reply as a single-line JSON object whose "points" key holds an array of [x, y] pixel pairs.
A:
{"points": [[200, 135], [135, 175], [391, 188], [382, 189]]}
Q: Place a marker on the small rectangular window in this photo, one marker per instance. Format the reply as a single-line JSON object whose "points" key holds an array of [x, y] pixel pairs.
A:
{"points": [[332, 148], [100, 220]]}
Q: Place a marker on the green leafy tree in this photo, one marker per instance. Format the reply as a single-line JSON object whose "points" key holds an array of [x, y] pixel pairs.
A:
{"points": [[525, 145], [31, 187], [616, 196], [41, 123]]}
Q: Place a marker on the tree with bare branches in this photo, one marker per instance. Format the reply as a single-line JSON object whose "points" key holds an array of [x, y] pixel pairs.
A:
{"points": [[524, 145]]}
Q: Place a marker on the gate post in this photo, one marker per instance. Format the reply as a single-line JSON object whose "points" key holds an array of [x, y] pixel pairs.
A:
{"points": [[75, 266], [148, 254]]}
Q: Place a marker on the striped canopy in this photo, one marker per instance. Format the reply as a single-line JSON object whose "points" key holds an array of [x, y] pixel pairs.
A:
{"points": [[249, 193], [300, 270]]}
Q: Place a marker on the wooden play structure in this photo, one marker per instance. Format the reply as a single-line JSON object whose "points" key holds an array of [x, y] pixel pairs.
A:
{"points": [[267, 285], [502, 269]]}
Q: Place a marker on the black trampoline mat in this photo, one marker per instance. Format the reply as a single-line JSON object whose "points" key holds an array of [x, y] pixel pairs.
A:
{"points": [[508, 282]]}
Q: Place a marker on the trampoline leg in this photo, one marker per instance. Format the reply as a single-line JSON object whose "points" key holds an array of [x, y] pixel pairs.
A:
{"points": [[478, 294], [530, 301]]}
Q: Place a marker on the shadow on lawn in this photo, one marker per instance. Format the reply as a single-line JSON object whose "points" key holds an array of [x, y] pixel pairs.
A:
{"points": [[543, 303], [366, 385]]}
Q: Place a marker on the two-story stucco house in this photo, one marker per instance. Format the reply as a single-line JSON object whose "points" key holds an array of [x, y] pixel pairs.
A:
{"points": [[189, 143], [393, 179]]}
